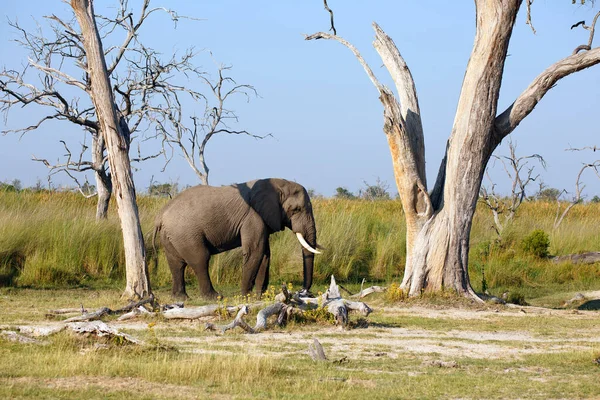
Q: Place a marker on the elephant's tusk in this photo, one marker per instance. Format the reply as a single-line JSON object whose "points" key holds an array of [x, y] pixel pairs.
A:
{"points": [[306, 245]]}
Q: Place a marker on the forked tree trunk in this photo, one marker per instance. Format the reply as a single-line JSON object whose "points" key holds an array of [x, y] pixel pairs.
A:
{"points": [[439, 223], [117, 143], [439, 257]]}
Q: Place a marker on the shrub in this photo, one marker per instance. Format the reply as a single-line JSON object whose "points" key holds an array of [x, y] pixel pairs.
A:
{"points": [[536, 243], [395, 294], [516, 298], [377, 191], [548, 194], [344, 193]]}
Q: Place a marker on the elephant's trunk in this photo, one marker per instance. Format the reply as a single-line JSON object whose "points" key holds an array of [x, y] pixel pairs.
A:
{"points": [[309, 236]]}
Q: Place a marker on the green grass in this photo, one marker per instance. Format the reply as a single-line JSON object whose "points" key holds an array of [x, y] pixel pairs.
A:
{"points": [[51, 240], [67, 367], [182, 360]]}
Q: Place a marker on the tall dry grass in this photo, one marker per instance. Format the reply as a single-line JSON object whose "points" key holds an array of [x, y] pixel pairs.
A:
{"points": [[51, 239]]}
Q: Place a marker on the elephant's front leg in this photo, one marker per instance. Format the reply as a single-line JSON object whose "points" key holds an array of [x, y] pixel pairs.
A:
{"points": [[255, 245], [262, 279]]}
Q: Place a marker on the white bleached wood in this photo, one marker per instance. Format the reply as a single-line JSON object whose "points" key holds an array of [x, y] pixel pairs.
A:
{"points": [[583, 258], [89, 316], [368, 291], [195, 312], [116, 137], [12, 336], [507, 121], [100, 329], [41, 330], [134, 313]]}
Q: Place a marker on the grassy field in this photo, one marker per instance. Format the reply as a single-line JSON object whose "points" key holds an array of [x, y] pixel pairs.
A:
{"points": [[408, 350], [54, 255], [51, 240]]}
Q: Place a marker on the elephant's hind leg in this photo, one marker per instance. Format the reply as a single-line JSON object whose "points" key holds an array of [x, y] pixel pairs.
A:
{"points": [[199, 263], [177, 266]]}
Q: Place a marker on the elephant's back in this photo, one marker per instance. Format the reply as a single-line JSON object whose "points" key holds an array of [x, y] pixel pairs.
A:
{"points": [[201, 210]]}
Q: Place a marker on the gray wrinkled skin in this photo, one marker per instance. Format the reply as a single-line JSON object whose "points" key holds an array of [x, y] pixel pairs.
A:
{"points": [[206, 220]]}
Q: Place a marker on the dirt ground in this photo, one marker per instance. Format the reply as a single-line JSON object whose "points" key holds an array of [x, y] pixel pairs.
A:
{"points": [[466, 339], [444, 333]]}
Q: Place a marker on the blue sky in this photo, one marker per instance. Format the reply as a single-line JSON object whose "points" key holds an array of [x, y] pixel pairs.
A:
{"points": [[317, 102]]}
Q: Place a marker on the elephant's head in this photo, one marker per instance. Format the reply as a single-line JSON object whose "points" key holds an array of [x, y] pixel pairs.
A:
{"points": [[282, 204]]}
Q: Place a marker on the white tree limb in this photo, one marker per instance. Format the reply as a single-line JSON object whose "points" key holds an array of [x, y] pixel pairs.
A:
{"points": [[507, 121]]}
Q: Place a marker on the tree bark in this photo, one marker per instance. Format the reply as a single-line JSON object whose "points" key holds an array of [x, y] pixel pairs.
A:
{"points": [[439, 223], [117, 143], [440, 255], [103, 182]]}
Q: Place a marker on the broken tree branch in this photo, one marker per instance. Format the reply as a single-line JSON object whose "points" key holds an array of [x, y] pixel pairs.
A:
{"points": [[331, 17], [591, 28], [508, 120]]}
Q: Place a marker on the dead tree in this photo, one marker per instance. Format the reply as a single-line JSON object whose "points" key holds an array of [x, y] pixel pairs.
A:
{"points": [[190, 138], [579, 187], [139, 77], [507, 206], [439, 222], [116, 135]]}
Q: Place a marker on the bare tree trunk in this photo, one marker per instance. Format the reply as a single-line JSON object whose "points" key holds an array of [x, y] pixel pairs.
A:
{"points": [[103, 182], [439, 224], [440, 254], [104, 189], [117, 143]]}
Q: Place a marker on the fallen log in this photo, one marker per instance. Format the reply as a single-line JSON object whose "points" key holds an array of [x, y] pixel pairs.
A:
{"points": [[41, 330], [331, 300], [148, 300], [12, 336], [261, 319], [284, 306], [196, 312], [92, 316], [100, 329], [63, 311], [89, 316], [96, 328], [336, 305], [238, 321], [583, 258], [368, 291], [134, 313]]}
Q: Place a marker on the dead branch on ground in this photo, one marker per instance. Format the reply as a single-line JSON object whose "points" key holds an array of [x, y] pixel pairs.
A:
{"points": [[285, 305]]}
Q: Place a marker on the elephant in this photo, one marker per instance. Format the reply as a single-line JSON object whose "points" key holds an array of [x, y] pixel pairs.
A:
{"points": [[205, 220]]}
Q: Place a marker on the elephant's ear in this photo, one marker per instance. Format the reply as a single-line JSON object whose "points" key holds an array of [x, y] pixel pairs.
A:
{"points": [[266, 201]]}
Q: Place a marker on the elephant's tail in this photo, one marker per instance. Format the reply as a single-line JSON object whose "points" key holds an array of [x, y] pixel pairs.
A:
{"points": [[157, 228]]}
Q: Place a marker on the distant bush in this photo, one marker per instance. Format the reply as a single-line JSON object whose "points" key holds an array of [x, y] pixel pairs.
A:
{"points": [[595, 199], [163, 189], [344, 193], [548, 194], [14, 186], [376, 191], [536, 243]]}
